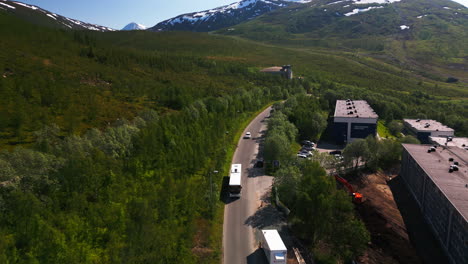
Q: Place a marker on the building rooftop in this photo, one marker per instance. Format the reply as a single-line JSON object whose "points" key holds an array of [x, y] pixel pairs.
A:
{"points": [[427, 125], [454, 185], [460, 142], [274, 240], [359, 109], [272, 69]]}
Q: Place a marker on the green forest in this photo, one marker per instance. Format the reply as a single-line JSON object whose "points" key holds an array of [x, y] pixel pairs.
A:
{"points": [[108, 140]]}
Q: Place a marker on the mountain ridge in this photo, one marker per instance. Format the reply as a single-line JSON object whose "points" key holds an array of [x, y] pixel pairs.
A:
{"points": [[37, 15], [223, 16]]}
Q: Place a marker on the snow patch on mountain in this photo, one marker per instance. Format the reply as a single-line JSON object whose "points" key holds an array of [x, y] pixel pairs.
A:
{"points": [[27, 6], [366, 2], [337, 2], [51, 16], [226, 15], [358, 10], [7, 5], [134, 26]]}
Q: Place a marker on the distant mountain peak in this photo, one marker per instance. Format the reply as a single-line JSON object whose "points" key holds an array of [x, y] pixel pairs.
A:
{"points": [[134, 26]]}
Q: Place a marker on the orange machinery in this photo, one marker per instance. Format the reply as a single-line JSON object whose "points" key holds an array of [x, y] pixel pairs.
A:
{"points": [[357, 197]]}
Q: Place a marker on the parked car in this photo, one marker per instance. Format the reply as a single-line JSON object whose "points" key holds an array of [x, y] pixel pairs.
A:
{"points": [[308, 143], [248, 135], [335, 152], [308, 148], [258, 163], [302, 156], [306, 152]]}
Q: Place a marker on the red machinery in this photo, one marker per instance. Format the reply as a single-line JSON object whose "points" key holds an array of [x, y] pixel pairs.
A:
{"points": [[357, 197]]}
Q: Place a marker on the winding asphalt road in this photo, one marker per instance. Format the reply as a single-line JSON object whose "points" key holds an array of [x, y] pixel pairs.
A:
{"points": [[240, 244]]}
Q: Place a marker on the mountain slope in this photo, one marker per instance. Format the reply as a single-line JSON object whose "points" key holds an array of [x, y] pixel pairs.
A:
{"points": [[43, 17], [429, 36], [134, 26], [223, 16]]}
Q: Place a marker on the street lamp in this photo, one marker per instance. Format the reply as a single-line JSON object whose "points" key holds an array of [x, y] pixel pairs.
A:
{"points": [[211, 188]]}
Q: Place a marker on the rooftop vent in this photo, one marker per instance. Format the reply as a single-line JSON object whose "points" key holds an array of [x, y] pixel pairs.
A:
{"points": [[418, 120], [453, 168], [449, 138], [427, 125], [450, 159], [431, 149], [455, 163]]}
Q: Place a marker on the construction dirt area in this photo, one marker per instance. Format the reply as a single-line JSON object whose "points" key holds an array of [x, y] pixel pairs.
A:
{"points": [[398, 232]]}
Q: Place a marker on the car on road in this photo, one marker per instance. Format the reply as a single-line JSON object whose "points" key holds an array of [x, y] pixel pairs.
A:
{"points": [[248, 135]]}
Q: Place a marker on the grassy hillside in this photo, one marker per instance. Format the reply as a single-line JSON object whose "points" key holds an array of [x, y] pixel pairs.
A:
{"points": [[434, 45]]}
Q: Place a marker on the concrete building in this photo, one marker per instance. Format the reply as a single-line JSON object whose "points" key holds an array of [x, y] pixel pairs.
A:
{"points": [[437, 178], [460, 142], [285, 71], [353, 120], [425, 128]]}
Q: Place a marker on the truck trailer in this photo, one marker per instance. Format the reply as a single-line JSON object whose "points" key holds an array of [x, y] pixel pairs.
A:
{"points": [[274, 248]]}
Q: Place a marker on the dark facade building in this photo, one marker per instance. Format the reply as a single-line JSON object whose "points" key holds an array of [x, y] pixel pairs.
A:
{"points": [[438, 180], [285, 71], [353, 120], [425, 128]]}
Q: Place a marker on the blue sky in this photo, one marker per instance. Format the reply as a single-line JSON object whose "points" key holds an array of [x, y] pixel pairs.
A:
{"points": [[118, 13]]}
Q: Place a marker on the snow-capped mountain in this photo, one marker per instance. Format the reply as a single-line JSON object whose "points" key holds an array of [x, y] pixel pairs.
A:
{"points": [[223, 16], [38, 15], [134, 26]]}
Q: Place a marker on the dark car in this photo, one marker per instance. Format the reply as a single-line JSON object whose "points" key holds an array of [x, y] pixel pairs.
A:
{"points": [[258, 164], [307, 143]]}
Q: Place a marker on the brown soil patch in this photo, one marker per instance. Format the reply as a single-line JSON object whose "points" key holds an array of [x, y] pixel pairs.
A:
{"points": [[389, 238]]}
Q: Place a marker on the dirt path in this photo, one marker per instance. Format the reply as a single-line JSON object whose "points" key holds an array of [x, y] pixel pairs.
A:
{"points": [[389, 238]]}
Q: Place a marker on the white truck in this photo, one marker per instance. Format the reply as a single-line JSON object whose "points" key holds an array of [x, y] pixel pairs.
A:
{"points": [[235, 179], [274, 248]]}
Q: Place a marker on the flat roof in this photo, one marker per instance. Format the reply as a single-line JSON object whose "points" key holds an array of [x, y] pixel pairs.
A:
{"points": [[436, 165], [427, 125], [273, 239], [460, 142], [272, 69], [360, 109]]}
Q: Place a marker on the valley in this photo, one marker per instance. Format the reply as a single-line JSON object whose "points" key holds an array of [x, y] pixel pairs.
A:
{"points": [[115, 146]]}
